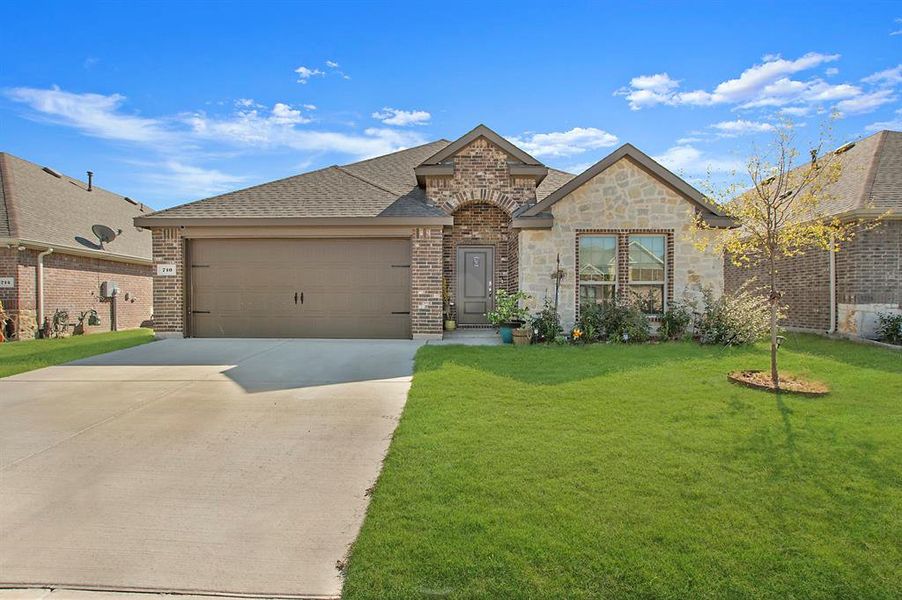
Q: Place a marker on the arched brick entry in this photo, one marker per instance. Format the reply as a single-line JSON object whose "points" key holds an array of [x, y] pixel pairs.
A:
{"points": [[452, 203], [480, 223]]}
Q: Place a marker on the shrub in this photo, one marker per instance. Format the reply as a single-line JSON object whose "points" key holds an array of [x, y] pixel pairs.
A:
{"points": [[889, 328], [733, 319], [546, 324], [507, 308], [675, 321], [621, 321], [590, 322]]}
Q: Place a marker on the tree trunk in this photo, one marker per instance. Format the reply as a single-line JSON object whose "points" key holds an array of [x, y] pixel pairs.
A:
{"points": [[774, 374]]}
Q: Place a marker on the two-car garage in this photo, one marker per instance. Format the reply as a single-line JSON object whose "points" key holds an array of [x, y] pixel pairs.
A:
{"points": [[298, 288]]}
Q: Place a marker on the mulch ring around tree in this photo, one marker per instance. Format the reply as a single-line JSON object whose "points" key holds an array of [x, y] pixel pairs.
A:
{"points": [[760, 380]]}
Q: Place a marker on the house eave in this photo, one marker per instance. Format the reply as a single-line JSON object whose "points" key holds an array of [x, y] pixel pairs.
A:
{"points": [[532, 222], [73, 251], [151, 221]]}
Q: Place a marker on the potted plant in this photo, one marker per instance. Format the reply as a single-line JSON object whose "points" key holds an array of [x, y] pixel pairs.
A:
{"points": [[450, 324], [507, 314], [522, 335]]}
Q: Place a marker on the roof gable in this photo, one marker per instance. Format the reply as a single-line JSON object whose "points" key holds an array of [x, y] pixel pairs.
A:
{"points": [[480, 131], [645, 162]]}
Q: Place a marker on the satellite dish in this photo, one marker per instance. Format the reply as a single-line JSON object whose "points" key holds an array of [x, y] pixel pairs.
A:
{"points": [[104, 234]]}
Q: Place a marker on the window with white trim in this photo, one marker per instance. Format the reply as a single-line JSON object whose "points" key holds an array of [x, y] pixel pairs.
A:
{"points": [[597, 269], [648, 272]]}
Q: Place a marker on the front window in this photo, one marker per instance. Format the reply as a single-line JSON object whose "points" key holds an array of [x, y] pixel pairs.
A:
{"points": [[597, 269], [647, 272]]}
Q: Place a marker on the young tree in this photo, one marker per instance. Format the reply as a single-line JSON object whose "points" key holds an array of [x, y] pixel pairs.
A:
{"points": [[781, 214]]}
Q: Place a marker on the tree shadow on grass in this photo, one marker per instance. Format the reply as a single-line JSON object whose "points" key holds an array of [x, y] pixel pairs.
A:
{"points": [[554, 365]]}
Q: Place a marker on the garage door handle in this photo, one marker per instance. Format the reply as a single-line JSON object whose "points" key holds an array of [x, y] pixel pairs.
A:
{"points": [[302, 297], [295, 297]]}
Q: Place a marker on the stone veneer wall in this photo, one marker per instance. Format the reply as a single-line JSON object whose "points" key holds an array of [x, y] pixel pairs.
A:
{"points": [[169, 291], [622, 198], [426, 282]]}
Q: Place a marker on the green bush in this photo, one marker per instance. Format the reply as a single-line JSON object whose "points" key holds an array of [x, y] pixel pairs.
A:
{"points": [[733, 319], [623, 321], [675, 321], [507, 308], [546, 324], [889, 328], [590, 323]]}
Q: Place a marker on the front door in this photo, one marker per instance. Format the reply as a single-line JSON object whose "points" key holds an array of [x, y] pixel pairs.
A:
{"points": [[475, 274]]}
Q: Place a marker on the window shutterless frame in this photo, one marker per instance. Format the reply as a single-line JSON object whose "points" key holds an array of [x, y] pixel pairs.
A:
{"points": [[649, 253], [598, 259]]}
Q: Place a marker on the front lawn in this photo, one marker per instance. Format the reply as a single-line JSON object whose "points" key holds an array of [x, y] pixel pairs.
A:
{"points": [[611, 471], [18, 357]]}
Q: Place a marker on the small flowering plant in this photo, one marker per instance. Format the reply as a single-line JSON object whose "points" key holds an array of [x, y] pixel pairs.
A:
{"points": [[576, 334]]}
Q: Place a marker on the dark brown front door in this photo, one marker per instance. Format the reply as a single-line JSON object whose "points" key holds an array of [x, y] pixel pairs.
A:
{"points": [[475, 273], [300, 288]]}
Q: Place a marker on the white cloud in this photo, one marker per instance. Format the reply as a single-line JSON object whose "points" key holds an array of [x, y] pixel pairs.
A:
{"points": [[894, 124], [688, 160], [769, 83], [898, 31], [795, 111], [564, 143], [689, 140], [891, 76], [332, 64], [741, 127], [285, 115], [866, 102], [186, 182], [831, 71], [394, 116], [305, 73], [93, 114]]}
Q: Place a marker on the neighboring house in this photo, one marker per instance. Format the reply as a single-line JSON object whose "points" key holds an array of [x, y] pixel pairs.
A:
{"points": [[362, 250], [845, 291], [51, 259]]}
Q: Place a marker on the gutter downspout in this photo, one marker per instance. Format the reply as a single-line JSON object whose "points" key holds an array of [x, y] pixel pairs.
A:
{"points": [[40, 285], [832, 287]]}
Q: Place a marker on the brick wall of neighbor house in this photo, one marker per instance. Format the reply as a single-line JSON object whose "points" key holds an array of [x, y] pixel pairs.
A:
{"points": [[868, 282], [426, 282], [478, 225], [869, 278], [480, 196], [804, 280], [72, 283], [9, 296], [623, 197], [168, 291]]}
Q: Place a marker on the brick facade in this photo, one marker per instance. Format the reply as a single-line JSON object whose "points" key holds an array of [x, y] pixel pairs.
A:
{"points": [[169, 291], [868, 281], [481, 195], [72, 283], [479, 225], [426, 282]]}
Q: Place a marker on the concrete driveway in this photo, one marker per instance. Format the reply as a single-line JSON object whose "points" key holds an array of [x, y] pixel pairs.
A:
{"points": [[227, 466]]}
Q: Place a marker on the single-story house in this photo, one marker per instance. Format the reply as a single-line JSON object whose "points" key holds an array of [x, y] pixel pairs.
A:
{"points": [[52, 259], [845, 291], [366, 249]]}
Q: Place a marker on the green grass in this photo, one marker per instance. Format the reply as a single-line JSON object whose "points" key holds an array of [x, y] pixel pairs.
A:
{"points": [[18, 357], [612, 472]]}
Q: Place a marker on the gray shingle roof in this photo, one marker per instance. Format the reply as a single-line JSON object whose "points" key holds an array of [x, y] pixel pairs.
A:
{"points": [[384, 186], [38, 206], [379, 186]]}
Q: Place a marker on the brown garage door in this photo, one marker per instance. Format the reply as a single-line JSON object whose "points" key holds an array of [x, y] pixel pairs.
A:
{"points": [[322, 288]]}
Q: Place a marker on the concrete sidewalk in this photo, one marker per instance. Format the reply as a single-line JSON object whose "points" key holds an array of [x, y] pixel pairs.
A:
{"points": [[196, 466]]}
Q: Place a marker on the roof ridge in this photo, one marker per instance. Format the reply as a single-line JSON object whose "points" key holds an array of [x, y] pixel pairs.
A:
{"points": [[5, 174], [381, 156], [873, 167], [367, 181]]}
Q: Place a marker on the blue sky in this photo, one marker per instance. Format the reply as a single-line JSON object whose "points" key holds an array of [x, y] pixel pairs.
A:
{"points": [[168, 103]]}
